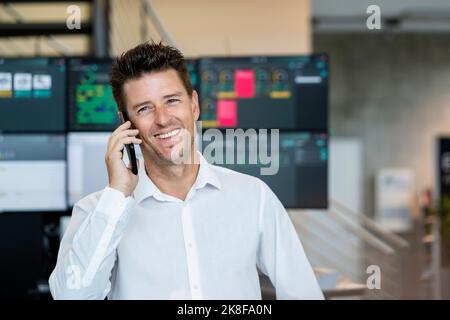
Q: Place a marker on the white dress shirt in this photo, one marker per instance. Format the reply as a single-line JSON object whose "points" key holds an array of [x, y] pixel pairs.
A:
{"points": [[154, 246]]}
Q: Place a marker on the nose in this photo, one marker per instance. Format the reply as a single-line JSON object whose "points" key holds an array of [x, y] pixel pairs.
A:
{"points": [[162, 117]]}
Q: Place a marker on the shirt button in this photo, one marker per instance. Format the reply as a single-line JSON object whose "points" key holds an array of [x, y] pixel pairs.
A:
{"points": [[190, 245], [195, 287]]}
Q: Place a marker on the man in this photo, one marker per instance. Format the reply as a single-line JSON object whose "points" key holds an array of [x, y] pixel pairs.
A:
{"points": [[177, 230]]}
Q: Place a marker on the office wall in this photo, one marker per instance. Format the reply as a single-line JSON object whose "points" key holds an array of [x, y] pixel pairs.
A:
{"points": [[393, 93], [223, 27]]}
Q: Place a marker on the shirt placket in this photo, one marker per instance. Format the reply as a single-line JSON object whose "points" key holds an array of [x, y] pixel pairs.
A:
{"points": [[191, 252]]}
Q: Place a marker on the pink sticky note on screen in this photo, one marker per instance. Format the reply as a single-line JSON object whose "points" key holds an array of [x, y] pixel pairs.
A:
{"points": [[227, 113], [244, 83]]}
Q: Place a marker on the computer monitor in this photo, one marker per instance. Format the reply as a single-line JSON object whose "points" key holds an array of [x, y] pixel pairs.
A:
{"points": [[302, 162], [86, 163], [32, 95], [32, 172], [91, 103], [289, 92]]}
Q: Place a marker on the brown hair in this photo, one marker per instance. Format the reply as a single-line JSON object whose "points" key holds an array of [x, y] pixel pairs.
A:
{"points": [[146, 58]]}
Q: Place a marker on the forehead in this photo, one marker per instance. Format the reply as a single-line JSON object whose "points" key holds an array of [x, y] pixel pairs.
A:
{"points": [[152, 86]]}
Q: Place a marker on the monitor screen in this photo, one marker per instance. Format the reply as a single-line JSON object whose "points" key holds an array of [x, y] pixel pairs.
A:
{"points": [[32, 172], [288, 92], [32, 95], [91, 103], [297, 173], [86, 163]]}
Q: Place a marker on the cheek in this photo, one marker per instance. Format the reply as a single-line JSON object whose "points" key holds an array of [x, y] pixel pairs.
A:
{"points": [[183, 116], [143, 127]]}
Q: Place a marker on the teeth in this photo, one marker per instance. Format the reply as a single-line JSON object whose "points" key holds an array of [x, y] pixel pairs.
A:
{"points": [[168, 134]]}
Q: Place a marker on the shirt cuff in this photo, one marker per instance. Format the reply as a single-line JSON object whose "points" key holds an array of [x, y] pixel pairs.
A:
{"points": [[112, 204]]}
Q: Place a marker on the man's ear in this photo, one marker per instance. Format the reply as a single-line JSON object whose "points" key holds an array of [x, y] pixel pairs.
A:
{"points": [[124, 118], [195, 105], [121, 116]]}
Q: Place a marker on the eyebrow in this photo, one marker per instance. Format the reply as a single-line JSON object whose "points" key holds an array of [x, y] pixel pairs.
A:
{"points": [[175, 94], [171, 95]]}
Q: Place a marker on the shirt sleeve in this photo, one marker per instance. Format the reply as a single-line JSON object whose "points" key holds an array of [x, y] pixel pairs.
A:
{"points": [[280, 253], [87, 251]]}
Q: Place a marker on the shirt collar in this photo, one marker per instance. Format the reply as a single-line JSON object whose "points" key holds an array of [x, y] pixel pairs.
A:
{"points": [[146, 188], [206, 175]]}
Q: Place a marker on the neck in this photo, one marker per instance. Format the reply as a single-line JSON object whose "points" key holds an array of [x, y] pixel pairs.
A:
{"points": [[173, 179]]}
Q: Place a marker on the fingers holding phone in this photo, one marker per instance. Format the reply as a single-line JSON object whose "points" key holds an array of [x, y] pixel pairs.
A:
{"points": [[120, 177]]}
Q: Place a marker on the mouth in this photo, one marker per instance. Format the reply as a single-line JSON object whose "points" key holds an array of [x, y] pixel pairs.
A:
{"points": [[168, 135], [168, 138]]}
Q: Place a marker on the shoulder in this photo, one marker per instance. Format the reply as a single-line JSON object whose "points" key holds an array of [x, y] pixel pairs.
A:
{"points": [[241, 182], [234, 178]]}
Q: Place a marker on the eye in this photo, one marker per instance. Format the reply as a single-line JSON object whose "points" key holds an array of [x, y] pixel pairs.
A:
{"points": [[143, 109], [173, 101]]}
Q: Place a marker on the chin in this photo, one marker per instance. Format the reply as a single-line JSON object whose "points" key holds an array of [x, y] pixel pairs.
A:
{"points": [[170, 155], [176, 154]]}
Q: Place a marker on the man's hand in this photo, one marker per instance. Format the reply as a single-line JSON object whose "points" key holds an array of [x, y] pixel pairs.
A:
{"points": [[120, 177]]}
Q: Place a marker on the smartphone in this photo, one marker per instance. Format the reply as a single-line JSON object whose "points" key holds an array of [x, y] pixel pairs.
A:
{"points": [[130, 149]]}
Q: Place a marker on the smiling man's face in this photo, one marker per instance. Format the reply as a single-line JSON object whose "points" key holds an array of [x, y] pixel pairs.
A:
{"points": [[159, 106]]}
